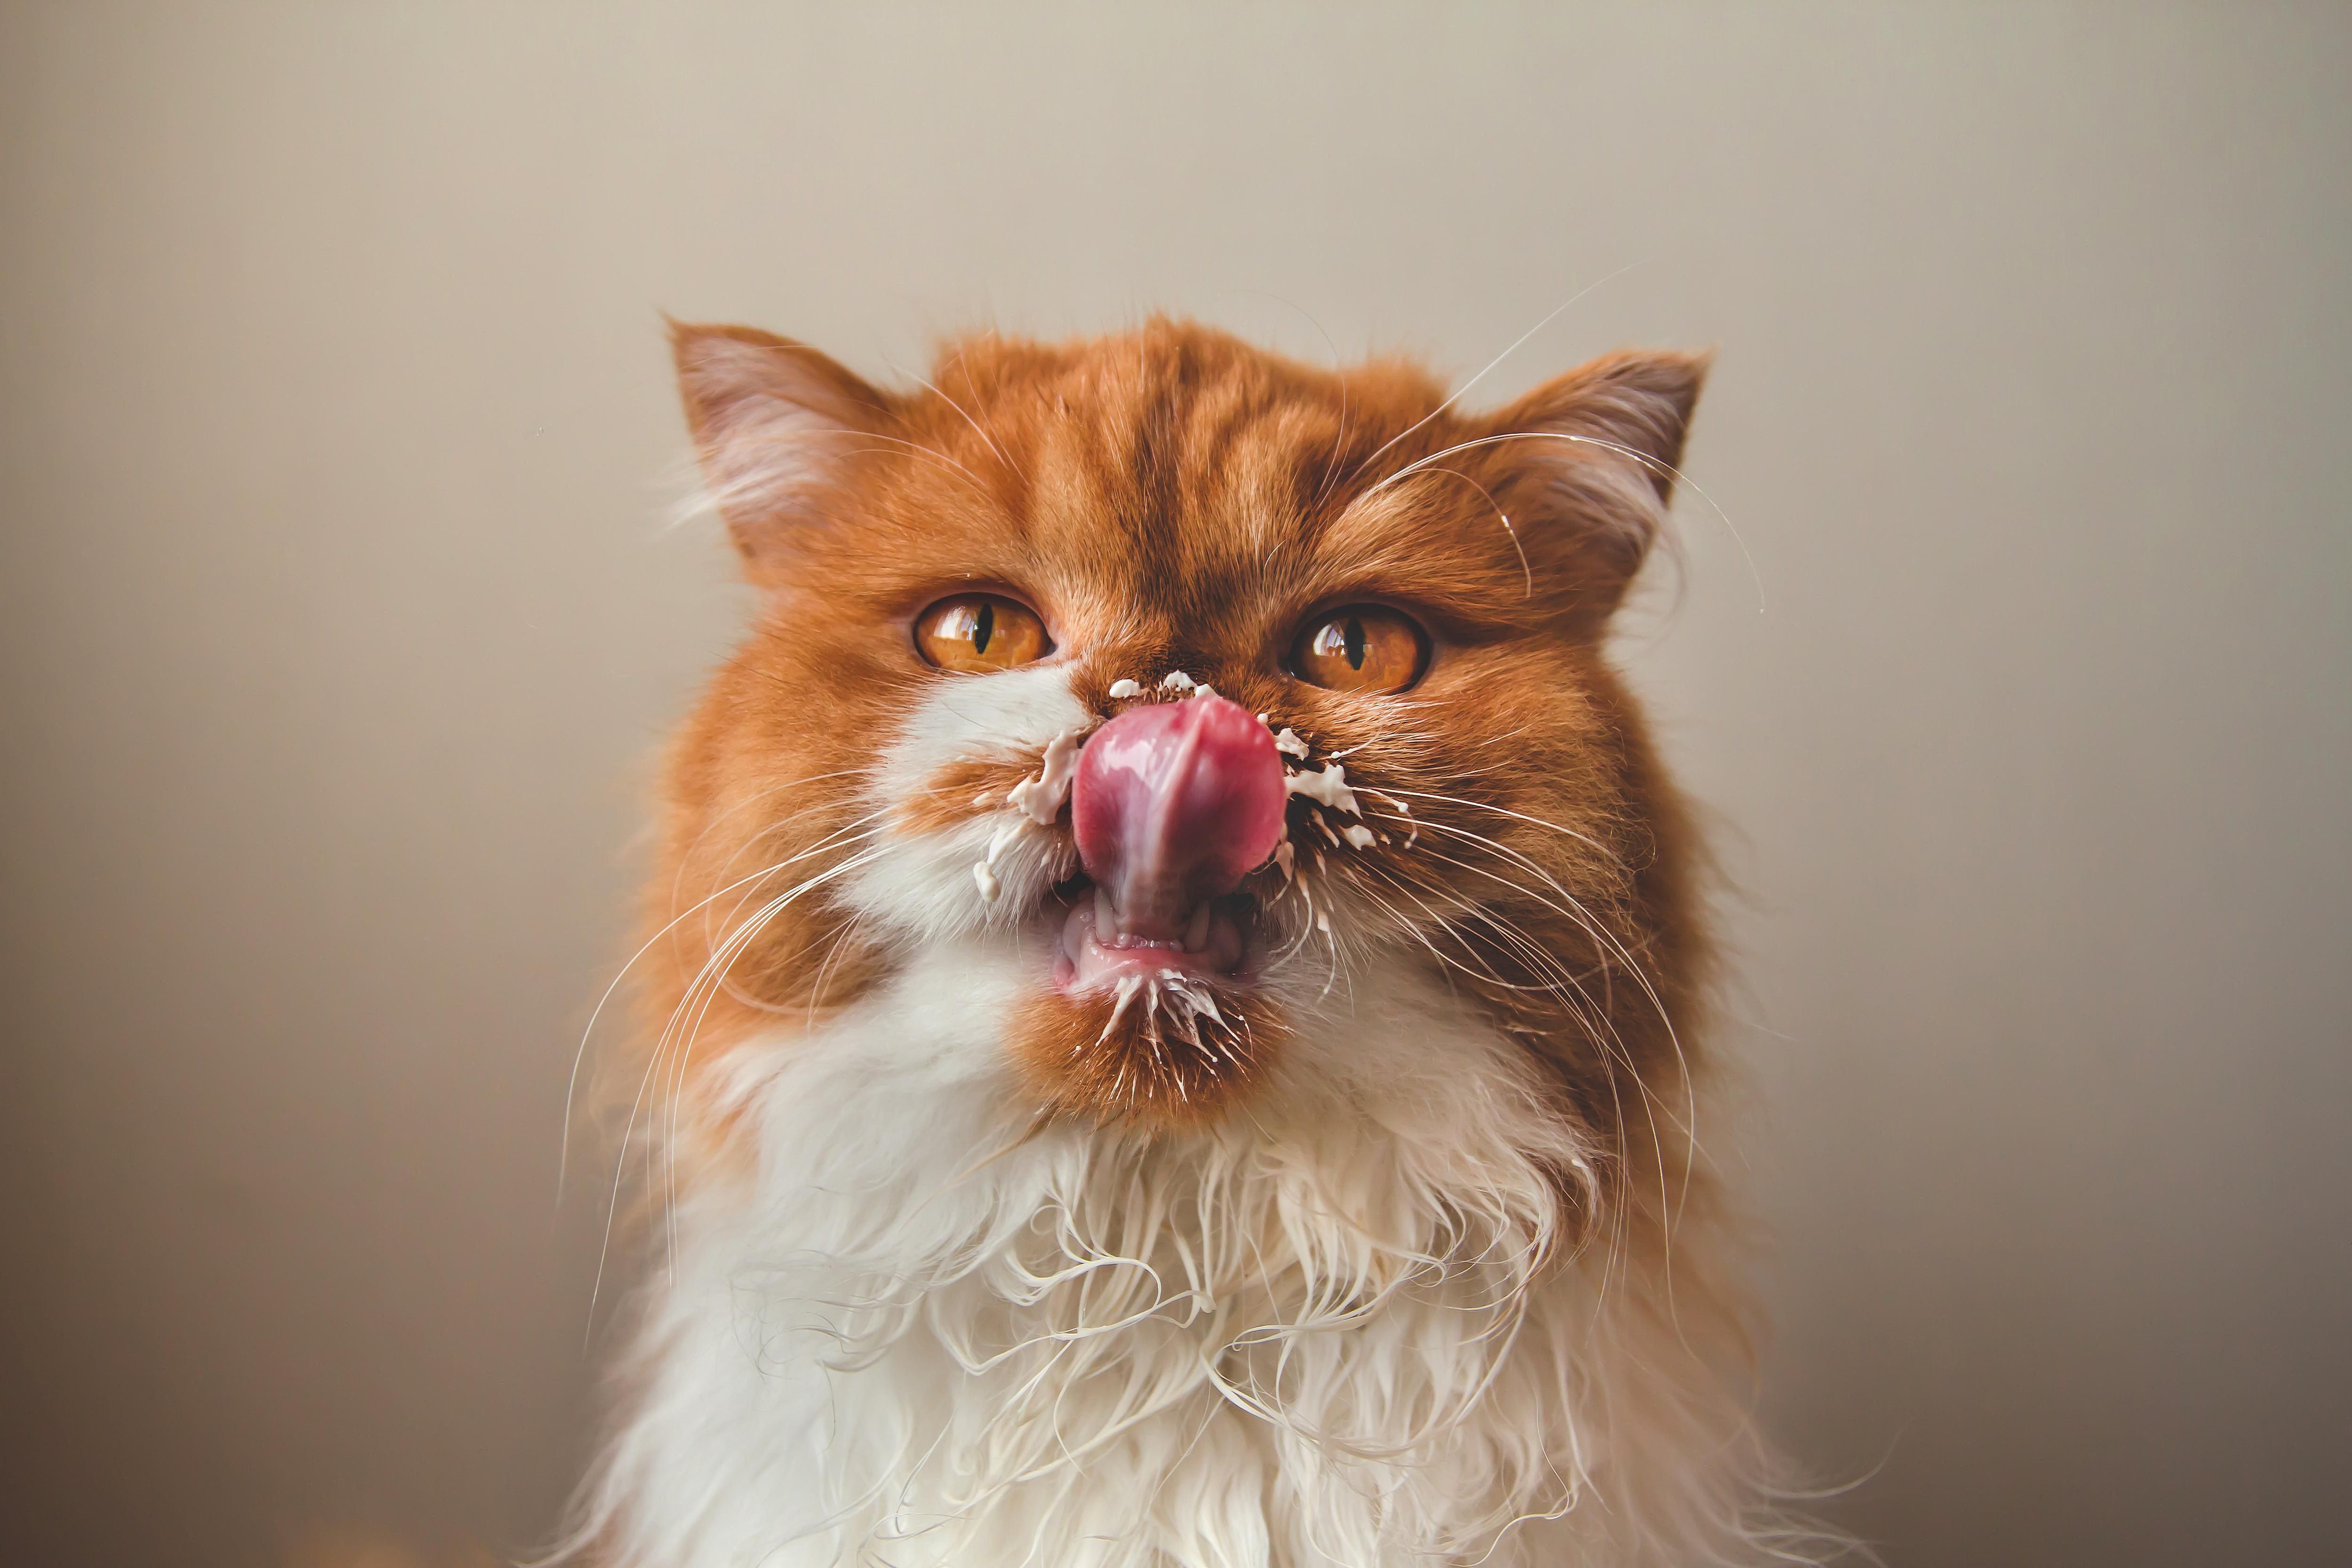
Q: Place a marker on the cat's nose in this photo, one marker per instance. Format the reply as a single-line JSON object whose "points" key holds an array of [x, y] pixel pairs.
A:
{"points": [[1173, 804]]}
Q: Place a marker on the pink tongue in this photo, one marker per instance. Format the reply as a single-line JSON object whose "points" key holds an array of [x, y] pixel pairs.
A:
{"points": [[1175, 803]]}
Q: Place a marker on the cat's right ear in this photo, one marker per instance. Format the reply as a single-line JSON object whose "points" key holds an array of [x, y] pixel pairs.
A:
{"points": [[774, 423]]}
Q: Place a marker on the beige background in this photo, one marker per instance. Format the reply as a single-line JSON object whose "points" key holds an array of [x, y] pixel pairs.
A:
{"points": [[337, 622]]}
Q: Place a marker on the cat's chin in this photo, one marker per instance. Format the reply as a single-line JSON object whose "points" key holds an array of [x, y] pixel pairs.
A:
{"points": [[1092, 954]]}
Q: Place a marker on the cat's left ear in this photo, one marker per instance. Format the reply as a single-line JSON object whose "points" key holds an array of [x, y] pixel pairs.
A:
{"points": [[774, 424], [1598, 463]]}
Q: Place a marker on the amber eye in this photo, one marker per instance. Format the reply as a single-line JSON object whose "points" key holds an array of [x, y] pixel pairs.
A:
{"points": [[1361, 648], [981, 632]]}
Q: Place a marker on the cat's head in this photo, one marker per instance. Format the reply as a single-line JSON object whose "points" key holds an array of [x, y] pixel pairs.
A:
{"points": [[1195, 691]]}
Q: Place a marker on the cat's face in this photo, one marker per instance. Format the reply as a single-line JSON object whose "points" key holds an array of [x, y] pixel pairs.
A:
{"points": [[1190, 688]]}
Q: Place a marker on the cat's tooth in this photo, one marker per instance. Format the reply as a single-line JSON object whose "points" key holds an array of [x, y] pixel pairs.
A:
{"points": [[1106, 918], [1196, 933]]}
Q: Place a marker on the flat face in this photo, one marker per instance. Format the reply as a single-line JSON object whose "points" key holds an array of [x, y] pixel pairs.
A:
{"points": [[1337, 643]]}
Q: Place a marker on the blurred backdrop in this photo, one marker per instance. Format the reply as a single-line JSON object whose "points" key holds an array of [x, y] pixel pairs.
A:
{"points": [[338, 623]]}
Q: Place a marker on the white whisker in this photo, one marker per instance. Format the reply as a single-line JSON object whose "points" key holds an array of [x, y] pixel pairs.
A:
{"points": [[1461, 390]]}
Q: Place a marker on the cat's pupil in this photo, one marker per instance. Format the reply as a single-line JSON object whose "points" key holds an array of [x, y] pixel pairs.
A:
{"points": [[1351, 637], [983, 627]]}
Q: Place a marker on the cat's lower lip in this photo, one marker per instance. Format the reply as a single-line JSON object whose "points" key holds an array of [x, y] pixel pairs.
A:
{"points": [[1084, 960]]}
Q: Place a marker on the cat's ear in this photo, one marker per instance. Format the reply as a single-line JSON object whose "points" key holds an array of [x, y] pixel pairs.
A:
{"points": [[1598, 462], [774, 423]]}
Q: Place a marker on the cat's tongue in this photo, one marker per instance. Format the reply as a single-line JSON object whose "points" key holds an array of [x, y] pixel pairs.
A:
{"points": [[1173, 804]]}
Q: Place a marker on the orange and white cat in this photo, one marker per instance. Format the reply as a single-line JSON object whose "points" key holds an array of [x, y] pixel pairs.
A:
{"points": [[1175, 985]]}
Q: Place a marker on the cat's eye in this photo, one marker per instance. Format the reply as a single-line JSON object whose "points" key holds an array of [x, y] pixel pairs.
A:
{"points": [[1360, 647], [978, 633]]}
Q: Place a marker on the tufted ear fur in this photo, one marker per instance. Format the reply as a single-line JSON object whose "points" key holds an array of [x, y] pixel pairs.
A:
{"points": [[1598, 462], [773, 421]]}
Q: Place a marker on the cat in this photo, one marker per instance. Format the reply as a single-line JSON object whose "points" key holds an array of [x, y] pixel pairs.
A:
{"points": [[1176, 982]]}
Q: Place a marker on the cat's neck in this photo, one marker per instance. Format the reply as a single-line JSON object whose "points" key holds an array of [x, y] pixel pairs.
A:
{"points": [[1357, 1327]]}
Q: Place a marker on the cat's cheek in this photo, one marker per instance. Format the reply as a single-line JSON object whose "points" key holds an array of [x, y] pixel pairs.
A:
{"points": [[926, 886], [953, 856], [962, 719]]}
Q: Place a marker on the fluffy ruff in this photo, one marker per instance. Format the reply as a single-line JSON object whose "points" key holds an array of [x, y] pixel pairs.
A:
{"points": [[1376, 1321]]}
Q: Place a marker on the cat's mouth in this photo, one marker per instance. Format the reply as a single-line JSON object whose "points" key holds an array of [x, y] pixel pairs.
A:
{"points": [[1097, 949], [1171, 806]]}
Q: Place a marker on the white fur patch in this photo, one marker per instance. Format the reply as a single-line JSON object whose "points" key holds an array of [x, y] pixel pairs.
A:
{"points": [[1339, 1330], [927, 886]]}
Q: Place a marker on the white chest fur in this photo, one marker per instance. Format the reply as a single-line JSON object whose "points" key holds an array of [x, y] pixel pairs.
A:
{"points": [[1342, 1329]]}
